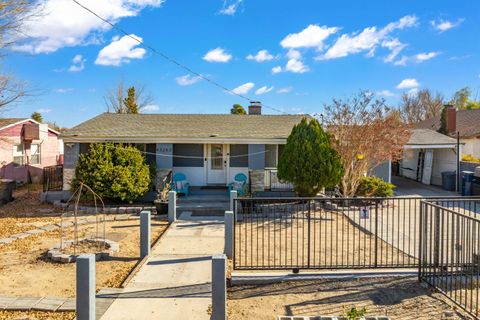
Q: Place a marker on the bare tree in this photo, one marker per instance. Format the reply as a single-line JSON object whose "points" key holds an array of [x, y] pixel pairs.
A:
{"points": [[115, 98], [13, 13], [365, 134], [416, 107]]}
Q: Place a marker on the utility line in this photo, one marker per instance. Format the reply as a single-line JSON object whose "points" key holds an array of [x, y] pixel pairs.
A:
{"points": [[171, 60]]}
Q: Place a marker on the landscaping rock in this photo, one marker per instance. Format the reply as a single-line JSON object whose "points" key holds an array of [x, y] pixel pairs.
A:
{"points": [[7, 240], [20, 235]]}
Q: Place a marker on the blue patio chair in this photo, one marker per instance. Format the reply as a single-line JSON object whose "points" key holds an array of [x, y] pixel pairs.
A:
{"points": [[180, 184], [240, 184]]}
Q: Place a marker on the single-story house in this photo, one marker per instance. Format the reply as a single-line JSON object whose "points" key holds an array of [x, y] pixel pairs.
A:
{"points": [[426, 155], [26, 147], [465, 122], [210, 149]]}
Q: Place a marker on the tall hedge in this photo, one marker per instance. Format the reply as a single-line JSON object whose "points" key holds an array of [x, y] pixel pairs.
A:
{"points": [[116, 172], [308, 161]]}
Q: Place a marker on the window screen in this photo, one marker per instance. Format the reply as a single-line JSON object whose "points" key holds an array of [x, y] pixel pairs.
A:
{"points": [[188, 155], [239, 155], [270, 156], [18, 155]]}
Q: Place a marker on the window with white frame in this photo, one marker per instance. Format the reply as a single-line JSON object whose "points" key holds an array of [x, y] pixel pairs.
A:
{"points": [[18, 155], [35, 153]]}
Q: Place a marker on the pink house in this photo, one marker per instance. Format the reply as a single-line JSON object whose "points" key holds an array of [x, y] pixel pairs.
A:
{"points": [[26, 147]]}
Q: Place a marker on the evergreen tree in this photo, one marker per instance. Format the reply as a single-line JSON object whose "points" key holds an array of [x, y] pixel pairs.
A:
{"points": [[238, 109], [309, 162], [113, 171], [129, 102], [37, 117], [443, 121]]}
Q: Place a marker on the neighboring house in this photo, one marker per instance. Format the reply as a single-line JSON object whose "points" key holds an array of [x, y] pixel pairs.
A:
{"points": [[26, 147], [210, 149], [465, 122], [426, 155]]}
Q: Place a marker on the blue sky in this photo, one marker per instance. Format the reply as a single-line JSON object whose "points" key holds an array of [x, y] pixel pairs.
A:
{"points": [[293, 56]]}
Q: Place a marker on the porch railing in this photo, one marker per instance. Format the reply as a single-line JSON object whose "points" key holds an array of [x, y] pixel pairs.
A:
{"points": [[273, 183], [53, 178]]}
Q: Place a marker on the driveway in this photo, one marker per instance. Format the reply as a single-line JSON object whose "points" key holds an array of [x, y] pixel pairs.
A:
{"points": [[410, 188]]}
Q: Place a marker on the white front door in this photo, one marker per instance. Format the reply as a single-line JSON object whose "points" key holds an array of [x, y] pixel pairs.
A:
{"points": [[217, 164]]}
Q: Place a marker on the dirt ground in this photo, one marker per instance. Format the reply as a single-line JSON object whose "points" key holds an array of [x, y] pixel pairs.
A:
{"points": [[26, 212], [283, 240], [400, 298], [36, 315], [25, 270]]}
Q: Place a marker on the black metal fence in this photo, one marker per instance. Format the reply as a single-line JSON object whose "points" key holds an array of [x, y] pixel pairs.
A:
{"points": [[331, 233], [450, 254], [53, 178]]}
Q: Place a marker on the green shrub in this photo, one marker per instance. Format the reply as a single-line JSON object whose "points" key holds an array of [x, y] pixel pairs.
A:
{"points": [[115, 172], [308, 161], [374, 187]]}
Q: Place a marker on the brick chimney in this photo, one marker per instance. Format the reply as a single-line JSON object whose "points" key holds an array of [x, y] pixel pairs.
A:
{"points": [[255, 108], [451, 119]]}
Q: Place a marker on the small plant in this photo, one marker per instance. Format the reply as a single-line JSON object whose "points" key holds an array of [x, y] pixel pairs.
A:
{"points": [[355, 314], [374, 187]]}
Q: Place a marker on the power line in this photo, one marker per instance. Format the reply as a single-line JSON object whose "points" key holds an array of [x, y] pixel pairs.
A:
{"points": [[171, 60]]}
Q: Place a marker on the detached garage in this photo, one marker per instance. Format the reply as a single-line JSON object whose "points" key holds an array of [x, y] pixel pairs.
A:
{"points": [[427, 155]]}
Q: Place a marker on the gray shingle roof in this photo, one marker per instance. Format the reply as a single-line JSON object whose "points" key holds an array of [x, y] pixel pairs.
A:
{"points": [[158, 126], [429, 137], [467, 123]]}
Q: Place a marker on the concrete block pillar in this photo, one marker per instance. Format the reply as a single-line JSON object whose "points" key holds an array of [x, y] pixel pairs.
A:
{"points": [[145, 233], [85, 299], [233, 196], [172, 206], [229, 218], [219, 287]]}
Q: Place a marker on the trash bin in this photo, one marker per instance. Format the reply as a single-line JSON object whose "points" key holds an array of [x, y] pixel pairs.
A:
{"points": [[448, 180], [467, 179]]}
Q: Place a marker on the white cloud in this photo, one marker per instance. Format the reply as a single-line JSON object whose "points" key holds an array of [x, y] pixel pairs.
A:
{"points": [[261, 56], [444, 25], [65, 24], [150, 108], [217, 55], [120, 51], [294, 54], [244, 88], [187, 80], [230, 9], [402, 61], [63, 90], [312, 36], [284, 90], [276, 69], [78, 63], [408, 84], [263, 90], [426, 56], [44, 110], [386, 93], [296, 66], [369, 39]]}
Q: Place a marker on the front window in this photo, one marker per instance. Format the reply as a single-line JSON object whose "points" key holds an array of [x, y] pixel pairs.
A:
{"points": [[18, 155], [271, 156], [35, 154]]}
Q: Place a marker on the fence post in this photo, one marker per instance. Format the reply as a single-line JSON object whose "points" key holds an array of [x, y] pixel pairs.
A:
{"points": [[233, 196], [172, 206], [420, 243], [229, 225], [376, 233], [85, 297], [436, 251], [309, 219], [145, 234], [219, 287]]}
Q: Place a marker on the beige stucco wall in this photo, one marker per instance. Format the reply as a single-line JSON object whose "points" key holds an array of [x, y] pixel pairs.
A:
{"points": [[471, 146]]}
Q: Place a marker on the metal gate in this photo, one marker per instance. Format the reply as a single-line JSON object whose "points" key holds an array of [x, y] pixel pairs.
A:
{"points": [[328, 233]]}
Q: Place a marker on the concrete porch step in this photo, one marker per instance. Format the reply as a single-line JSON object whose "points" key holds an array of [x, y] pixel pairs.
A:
{"points": [[203, 205], [203, 198]]}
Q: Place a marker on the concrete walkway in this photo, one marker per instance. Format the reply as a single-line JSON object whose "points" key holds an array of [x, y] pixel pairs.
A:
{"points": [[175, 281]]}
